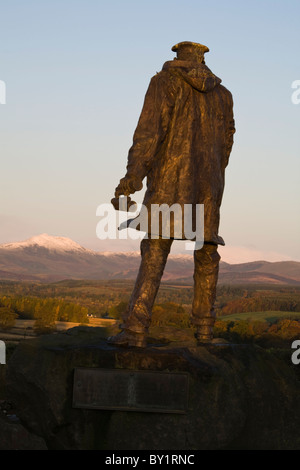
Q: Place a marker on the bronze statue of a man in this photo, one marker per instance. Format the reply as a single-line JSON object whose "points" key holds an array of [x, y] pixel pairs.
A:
{"points": [[182, 145]]}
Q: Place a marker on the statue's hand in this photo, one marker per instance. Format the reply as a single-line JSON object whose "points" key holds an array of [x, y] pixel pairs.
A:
{"points": [[128, 185]]}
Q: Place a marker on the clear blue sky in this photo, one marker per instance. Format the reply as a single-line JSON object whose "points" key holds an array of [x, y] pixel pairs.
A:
{"points": [[76, 73]]}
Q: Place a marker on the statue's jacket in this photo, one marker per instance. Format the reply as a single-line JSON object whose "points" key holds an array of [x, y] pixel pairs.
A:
{"points": [[183, 140]]}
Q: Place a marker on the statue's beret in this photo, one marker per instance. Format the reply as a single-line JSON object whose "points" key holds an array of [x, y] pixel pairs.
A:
{"points": [[190, 45]]}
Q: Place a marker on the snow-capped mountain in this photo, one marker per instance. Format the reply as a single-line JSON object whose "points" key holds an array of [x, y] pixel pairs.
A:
{"points": [[47, 258], [46, 241]]}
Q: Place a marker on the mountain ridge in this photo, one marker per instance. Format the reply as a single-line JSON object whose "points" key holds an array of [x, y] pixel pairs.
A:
{"points": [[47, 258], [46, 241]]}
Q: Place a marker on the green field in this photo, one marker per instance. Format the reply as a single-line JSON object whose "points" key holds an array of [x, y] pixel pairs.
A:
{"points": [[269, 317]]}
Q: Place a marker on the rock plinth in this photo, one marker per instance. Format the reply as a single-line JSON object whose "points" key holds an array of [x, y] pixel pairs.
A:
{"points": [[240, 396]]}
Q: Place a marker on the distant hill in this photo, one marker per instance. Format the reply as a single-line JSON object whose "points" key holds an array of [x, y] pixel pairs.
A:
{"points": [[46, 258]]}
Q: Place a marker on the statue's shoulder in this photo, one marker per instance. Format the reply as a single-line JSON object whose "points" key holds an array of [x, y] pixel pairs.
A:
{"points": [[225, 91], [165, 81], [163, 75]]}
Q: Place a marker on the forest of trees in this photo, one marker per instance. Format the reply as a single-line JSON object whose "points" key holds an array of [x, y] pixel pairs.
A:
{"points": [[261, 300], [279, 333], [76, 301], [45, 312]]}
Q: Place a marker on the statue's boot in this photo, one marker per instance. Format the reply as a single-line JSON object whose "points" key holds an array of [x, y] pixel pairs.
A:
{"points": [[205, 284], [127, 338], [137, 317], [204, 331]]}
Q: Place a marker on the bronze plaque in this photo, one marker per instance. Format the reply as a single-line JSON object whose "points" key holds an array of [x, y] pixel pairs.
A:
{"points": [[130, 390]]}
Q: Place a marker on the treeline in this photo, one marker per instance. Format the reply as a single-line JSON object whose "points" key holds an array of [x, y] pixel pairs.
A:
{"points": [[261, 301], [164, 314], [96, 296], [44, 311], [101, 298], [279, 333]]}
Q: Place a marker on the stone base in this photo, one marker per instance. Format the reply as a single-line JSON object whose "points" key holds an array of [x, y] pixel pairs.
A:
{"points": [[240, 396]]}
